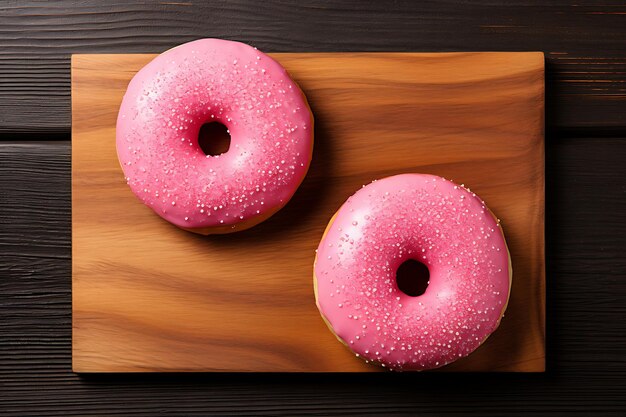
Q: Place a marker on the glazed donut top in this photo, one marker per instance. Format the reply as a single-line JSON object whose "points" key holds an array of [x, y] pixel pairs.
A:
{"points": [[203, 81], [430, 219]]}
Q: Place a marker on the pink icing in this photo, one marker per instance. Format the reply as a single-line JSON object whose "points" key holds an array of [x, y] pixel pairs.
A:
{"points": [[441, 224], [207, 80]]}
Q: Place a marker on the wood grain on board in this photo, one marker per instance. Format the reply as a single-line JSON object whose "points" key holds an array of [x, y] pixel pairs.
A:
{"points": [[150, 297]]}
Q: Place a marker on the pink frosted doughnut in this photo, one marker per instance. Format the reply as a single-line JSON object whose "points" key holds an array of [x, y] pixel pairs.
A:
{"points": [[421, 217], [268, 118]]}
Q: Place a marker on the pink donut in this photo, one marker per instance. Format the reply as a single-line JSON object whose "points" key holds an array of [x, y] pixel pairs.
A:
{"points": [[212, 80], [422, 217]]}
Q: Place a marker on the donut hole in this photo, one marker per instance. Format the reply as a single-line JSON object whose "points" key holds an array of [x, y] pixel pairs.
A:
{"points": [[412, 277], [214, 139]]}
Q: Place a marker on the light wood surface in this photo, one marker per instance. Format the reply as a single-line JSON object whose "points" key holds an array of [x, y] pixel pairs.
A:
{"points": [[148, 296]]}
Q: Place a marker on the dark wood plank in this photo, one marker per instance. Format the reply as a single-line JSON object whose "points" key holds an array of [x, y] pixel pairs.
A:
{"points": [[584, 44], [586, 315]]}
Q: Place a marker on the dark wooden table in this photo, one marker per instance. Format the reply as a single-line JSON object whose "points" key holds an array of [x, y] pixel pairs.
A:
{"points": [[585, 47]]}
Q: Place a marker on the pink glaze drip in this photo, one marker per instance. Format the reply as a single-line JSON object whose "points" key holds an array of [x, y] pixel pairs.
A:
{"points": [[430, 219], [208, 80]]}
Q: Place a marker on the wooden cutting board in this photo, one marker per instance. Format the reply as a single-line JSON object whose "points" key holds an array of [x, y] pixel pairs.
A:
{"points": [[148, 296]]}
